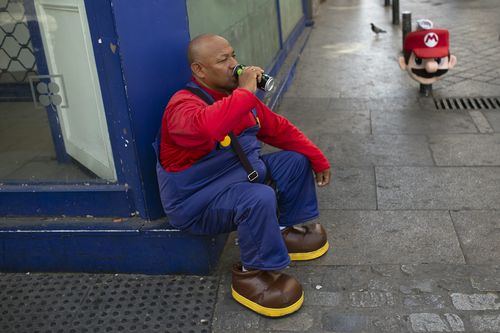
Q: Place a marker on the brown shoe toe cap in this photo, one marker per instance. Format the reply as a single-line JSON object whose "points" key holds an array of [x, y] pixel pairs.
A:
{"points": [[268, 289], [305, 238]]}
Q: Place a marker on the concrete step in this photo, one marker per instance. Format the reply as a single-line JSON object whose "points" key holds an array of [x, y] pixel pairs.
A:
{"points": [[104, 245]]}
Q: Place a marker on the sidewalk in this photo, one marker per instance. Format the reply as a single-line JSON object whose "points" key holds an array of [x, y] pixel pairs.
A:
{"points": [[413, 210], [413, 213]]}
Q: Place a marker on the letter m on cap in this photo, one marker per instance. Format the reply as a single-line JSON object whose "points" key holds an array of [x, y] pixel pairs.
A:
{"points": [[431, 39]]}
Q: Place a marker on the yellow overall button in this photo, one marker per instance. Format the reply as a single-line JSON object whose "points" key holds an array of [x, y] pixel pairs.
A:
{"points": [[226, 142]]}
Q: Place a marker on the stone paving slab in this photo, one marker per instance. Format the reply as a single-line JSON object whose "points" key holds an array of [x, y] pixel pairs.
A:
{"points": [[466, 149], [312, 88], [318, 115], [389, 237], [486, 277], [418, 121], [352, 321], [411, 102], [452, 79], [449, 188], [323, 72], [479, 234], [411, 279], [350, 188], [336, 61], [304, 321], [302, 106], [376, 150], [493, 118], [314, 122], [349, 104], [466, 89], [481, 122]]}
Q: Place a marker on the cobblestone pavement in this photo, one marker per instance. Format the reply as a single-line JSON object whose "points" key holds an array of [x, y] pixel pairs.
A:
{"points": [[413, 212]]}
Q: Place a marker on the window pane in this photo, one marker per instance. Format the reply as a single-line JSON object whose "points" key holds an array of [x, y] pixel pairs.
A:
{"points": [[52, 121], [290, 13], [251, 26]]}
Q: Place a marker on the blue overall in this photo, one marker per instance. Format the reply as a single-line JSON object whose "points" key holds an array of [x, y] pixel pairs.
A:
{"points": [[214, 196]]}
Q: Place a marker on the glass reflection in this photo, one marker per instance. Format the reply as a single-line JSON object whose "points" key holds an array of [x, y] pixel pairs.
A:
{"points": [[52, 122]]}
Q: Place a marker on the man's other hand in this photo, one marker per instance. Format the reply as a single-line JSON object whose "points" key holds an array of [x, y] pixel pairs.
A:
{"points": [[323, 177]]}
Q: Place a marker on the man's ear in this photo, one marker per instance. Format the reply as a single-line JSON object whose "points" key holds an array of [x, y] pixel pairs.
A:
{"points": [[197, 70], [402, 63], [452, 62]]}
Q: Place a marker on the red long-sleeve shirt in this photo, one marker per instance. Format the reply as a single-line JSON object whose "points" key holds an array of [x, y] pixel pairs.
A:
{"points": [[191, 128]]}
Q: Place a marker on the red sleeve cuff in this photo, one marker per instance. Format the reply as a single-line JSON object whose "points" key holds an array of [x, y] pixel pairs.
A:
{"points": [[320, 166]]}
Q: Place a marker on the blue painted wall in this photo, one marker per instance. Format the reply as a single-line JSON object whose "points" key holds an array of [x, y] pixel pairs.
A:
{"points": [[136, 82], [152, 40], [103, 246]]}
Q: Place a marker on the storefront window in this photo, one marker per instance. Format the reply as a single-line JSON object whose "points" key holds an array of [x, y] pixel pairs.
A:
{"points": [[251, 26], [52, 122], [290, 13]]}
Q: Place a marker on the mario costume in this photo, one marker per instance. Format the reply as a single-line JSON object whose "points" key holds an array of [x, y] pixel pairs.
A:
{"points": [[426, 54], [205, 189]]}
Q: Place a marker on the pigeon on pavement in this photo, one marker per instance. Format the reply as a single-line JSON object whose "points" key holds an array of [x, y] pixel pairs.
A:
{"points": [[377, 30]]}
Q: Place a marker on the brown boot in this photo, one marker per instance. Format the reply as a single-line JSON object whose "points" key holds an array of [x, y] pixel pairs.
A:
{"points": [[269, 293], [305, 242]]}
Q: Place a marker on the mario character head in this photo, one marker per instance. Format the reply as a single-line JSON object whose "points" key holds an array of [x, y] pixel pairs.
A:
{"points": [[426, 55]]}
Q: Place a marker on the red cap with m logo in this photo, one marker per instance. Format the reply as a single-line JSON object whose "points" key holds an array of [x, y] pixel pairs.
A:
{"points": [[430, 43]]}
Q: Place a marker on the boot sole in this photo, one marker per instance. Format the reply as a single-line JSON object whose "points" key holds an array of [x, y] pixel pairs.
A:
{"points": [[268, 312], [309, 255]]}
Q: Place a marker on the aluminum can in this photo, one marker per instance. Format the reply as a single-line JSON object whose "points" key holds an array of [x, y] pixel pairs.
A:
{"points": [[266, 83]]}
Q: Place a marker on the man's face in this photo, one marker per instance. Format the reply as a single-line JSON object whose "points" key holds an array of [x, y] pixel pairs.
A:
{"points": [[216, 66], [427, 70]]}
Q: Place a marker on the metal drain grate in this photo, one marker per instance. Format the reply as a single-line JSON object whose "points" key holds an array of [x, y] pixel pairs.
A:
{"points": [[467, 103], [106, 303]]}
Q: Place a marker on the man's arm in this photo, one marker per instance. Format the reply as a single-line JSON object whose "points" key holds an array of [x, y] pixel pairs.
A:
{"points": [[191, 123], [281, 133]]}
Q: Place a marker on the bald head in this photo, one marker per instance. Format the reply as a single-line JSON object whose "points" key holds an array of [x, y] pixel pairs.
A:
{"points": [[212, 60], [204, 46]]}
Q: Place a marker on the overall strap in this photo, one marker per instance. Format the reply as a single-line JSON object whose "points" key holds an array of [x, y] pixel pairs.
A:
{"points": [[200, 93], [252, 174]]}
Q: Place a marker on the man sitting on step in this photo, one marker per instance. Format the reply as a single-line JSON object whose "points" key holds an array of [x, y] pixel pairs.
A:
{"points": [[209, 187]]}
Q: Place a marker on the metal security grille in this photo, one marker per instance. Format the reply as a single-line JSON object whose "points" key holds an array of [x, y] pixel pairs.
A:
{"points": [[467, 103], [17, 59], [78, 303]]}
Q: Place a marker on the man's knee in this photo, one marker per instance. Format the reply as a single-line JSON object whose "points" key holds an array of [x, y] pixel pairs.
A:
{"points": [[298, 160], [260, 196]]}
